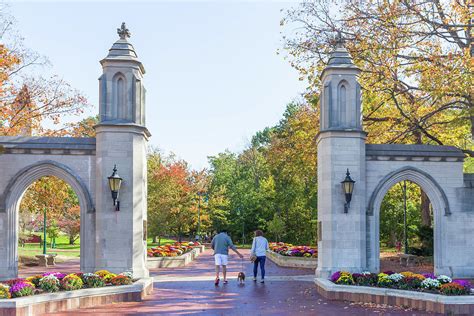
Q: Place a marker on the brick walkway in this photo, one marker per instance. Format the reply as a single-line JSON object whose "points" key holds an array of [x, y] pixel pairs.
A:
{"points": [[190, 290]]}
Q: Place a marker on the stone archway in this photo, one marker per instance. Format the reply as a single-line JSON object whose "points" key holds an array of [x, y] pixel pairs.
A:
{"points": [[437, 198], [13, 194]]}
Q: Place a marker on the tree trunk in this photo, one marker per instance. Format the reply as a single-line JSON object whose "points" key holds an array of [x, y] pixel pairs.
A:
{"points": [[154, 239], [159, 240], [425, 209], [71, 240]]}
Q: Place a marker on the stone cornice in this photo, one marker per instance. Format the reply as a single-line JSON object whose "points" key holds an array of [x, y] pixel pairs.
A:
{"points": [[47, 145], [341, 133], [122, 127], [397, 152]]}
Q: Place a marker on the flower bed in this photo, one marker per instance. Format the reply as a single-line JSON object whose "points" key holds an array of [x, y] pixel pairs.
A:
{"points": [[428, 283], [62, 301], [55, 281], [289, 250], [172, 250]]}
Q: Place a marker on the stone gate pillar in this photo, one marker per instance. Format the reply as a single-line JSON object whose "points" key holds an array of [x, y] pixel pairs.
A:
{"points": [[122, 140], [341, 146]]}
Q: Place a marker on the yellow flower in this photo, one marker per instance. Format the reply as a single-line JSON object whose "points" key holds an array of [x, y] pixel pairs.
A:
{"points": [[102, 273]]}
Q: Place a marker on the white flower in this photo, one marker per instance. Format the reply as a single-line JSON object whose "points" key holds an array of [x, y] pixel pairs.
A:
{"points": [[128, 274], [88, 275], [430, 283], [396, 277], [444, 279], [366, 273]]}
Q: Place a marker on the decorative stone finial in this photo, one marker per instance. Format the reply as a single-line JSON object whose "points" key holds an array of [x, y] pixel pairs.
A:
{"points": [[339, 40], [123, 32]]}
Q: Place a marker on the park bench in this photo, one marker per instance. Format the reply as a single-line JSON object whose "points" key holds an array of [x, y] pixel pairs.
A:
{"points": [[47, 259], [33, 239]]}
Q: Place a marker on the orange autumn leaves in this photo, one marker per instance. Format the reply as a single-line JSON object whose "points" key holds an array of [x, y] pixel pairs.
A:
{"points": [[416, 57]]}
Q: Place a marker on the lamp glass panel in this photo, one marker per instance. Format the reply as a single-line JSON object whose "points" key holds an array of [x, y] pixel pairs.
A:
{"points": [[350, 187], [115, 183]]}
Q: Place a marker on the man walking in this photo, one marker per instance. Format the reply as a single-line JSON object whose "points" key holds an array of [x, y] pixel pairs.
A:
{"points": [[221, 244]]}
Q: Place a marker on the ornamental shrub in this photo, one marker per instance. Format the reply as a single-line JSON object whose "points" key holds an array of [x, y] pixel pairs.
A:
{"points": [[121, 280], [34, 279], [430, 284], [383, 280], [345, 278], [13, 281], [453, 289], [464, 283], [71, 282], [58, 275], [109, 277], [411, 282], [49, 283], [365, 279], [93, 280], [5, 291], [102, 273], [396, 277], [443, 279], [21, 289], [128, 274], [335, 276]]}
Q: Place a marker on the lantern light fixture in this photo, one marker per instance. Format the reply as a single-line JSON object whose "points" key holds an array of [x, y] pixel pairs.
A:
{"points": [[115, 181], [348, 188]]}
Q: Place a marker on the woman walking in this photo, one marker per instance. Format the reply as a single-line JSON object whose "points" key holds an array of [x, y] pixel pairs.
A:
{"points": [[259, 253]]}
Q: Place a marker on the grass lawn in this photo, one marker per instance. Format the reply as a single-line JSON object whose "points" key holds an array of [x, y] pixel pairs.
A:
{"points": [[164, 241], [63, 248]]}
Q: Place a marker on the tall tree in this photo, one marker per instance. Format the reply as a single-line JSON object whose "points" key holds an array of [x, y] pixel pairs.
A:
{"points": [[416, 60], [28, 99]]}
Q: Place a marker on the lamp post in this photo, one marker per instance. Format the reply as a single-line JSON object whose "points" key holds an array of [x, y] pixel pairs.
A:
{"points": [[405, 233], [44, 230], [200, 193], [115, 181], [348, 188]]}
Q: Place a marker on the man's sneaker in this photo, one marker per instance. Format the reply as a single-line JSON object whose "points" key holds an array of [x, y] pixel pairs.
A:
{"points": [[225, 282], [255, 279], [216, 282], [263, 281]]}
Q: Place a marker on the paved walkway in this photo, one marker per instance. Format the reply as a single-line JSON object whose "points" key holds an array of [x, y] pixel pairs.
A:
{"points": [[191, 291]]}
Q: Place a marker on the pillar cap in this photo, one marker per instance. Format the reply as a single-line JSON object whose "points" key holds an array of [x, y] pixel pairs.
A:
{"points": [[122, 50], [340, 57]]}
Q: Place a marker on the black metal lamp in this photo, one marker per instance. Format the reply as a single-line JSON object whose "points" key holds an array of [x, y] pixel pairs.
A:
{"points": [[348, 187], [115, 181]]}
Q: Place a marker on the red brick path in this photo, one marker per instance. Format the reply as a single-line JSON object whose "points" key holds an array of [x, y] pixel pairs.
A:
{"points": [[190, 291]]}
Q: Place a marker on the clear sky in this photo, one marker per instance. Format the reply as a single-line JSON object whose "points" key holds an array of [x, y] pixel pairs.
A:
{"points": [[213, 76]]}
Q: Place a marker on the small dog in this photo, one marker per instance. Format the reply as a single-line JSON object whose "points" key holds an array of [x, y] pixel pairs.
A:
{"points": [[241, 278]]}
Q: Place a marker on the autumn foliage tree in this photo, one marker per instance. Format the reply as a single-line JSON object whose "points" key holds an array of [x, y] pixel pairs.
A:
{"points": [[416, 59], [417, 66], [172, 196], [27, 99]]}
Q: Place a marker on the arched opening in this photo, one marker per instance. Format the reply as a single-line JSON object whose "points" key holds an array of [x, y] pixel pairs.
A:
{"points": [[49, 222], [406, 230], [13, 195], [439, 204]]}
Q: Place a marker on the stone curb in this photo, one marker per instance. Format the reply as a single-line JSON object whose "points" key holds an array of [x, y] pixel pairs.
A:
{"points": [[292, 262], [417, 300], [137, 287], [172, 262]]}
